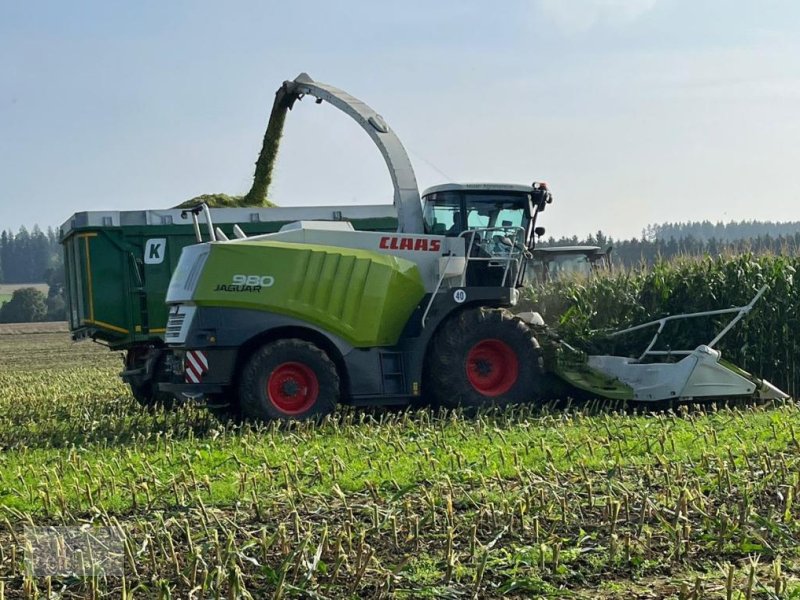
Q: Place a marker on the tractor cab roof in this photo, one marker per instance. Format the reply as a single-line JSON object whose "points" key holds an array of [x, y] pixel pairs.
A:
{"points": [[586, 250], [477, 187]]}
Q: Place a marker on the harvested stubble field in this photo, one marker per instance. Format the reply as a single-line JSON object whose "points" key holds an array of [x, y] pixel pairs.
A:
{"points": [[575, 502]]}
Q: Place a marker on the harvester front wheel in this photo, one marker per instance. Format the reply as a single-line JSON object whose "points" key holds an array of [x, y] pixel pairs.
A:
{"points": [[288, 379], [484, 357]]}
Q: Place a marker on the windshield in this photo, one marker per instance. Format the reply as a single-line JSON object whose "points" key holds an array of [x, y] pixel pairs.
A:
{"points": [[494, 211], [451, 213], [569, 266]]}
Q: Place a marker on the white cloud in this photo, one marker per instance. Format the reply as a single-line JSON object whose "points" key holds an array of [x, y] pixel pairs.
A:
{"points": [[575, 16]]}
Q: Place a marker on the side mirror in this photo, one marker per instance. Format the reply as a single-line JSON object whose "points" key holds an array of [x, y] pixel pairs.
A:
{"points": [[539, 231], [541, 195]]}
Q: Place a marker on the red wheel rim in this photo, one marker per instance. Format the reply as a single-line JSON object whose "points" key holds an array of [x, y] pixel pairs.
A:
{"points": [[492, 367], [292, 387]]}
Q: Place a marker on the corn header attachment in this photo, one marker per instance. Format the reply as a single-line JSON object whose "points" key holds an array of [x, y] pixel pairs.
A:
{"points": [[656, 376]]}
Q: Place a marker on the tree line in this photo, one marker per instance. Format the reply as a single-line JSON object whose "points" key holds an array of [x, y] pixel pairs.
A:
{"points": [[643, 252], [721, 232], [29, 256], [32, 257]]}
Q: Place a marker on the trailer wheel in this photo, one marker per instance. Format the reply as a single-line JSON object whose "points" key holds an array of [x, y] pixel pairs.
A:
{"points": [[288, 379], [484, 357], [145, 391]]}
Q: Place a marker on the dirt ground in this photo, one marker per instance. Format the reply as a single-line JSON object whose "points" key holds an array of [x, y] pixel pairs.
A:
{"points": [[28, 328]]}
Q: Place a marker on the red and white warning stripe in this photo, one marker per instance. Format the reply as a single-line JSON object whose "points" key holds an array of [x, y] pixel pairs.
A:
{"points": [[195, 365]]}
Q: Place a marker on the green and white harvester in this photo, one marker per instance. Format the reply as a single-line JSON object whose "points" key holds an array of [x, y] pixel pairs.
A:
{"points": [[289, 324]]}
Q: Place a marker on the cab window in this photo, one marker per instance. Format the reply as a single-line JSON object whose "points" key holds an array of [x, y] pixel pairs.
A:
{"points": [[487, 210], [451, 213], [510, 217], [443, 215], [475, 219]]}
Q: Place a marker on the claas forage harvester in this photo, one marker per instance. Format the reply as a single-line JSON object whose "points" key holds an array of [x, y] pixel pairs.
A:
{"points": [[289, 324]]}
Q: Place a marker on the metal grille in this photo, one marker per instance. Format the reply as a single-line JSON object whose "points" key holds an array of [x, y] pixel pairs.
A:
{"points": [[174, 325]]}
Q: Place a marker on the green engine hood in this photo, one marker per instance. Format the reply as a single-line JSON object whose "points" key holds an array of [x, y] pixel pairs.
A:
{"points": [[362, 296]]}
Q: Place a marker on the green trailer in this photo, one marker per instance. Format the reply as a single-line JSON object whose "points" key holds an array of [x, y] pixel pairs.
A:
{"points": [[118, 266]]}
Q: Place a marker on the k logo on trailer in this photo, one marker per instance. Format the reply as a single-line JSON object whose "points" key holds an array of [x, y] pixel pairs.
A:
{"points": [[154, 251]]}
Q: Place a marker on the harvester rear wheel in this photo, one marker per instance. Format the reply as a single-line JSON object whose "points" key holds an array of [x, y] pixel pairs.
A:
{"points": [[484, 357], [288, 379]]}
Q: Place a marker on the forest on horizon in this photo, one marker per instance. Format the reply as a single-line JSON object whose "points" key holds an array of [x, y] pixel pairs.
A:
{"points": [[34, 255]]}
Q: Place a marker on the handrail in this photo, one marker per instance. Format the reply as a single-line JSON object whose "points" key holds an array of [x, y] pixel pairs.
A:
{"points": [[194, 211], [740, 310], [209, 222], [436, 289], [197, 233], [472, 233], [508, 259]]}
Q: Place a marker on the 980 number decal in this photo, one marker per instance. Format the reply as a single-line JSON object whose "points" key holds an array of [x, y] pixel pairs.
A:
{"points": [[246, 283], [262, 280]]}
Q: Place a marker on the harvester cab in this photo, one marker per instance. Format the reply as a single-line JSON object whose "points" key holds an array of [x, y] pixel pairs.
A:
{"points": [[495, 220], [567, 262]]}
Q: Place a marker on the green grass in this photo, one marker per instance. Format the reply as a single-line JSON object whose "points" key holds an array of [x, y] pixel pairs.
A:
{"points": [[4, 298], [579, 502]]}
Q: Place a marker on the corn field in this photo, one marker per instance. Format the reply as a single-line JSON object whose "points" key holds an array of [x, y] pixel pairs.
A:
{"points": [[766, 342], [577, 501]]}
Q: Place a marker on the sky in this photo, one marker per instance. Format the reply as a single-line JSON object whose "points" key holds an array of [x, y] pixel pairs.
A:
{"points": [[634, 111]]}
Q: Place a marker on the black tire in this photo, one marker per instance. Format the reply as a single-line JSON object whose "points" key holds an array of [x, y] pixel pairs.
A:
{"points": [[145, 392], [483, 357], [288, 379]]}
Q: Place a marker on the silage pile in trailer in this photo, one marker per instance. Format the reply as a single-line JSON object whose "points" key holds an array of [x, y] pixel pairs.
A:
{"points": [[224, 201], [766, 342], [262, 178]]}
